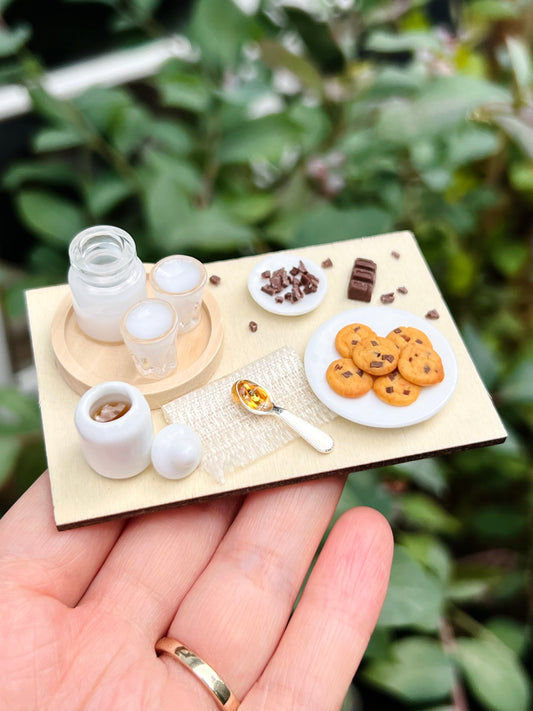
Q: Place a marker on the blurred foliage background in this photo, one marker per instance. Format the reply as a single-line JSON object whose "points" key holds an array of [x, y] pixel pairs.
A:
{"points": [[280, 124]]}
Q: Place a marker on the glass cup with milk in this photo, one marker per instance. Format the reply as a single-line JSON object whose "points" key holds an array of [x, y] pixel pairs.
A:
{"points": [[180, 280], [149, 329]]}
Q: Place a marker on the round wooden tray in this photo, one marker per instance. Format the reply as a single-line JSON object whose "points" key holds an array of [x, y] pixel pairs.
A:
{"points": [[84, 362]]}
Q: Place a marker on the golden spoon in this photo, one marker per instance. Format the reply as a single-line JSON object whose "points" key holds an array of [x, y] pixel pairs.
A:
{"points": [[257, 400]]}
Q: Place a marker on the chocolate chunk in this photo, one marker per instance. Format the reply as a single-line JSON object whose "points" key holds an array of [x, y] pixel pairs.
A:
{"points": [[268, 289], [214, 279], [426, 369], [388, 356], [347, 374], [338, 366], [376, 364], [402, 290], [433, 314], [364, 275], [359, 290], [365, 263], [387, 298], [395, 254], [266, 274], [406, 392], [252, 326], [327, 263], [389, 389]]}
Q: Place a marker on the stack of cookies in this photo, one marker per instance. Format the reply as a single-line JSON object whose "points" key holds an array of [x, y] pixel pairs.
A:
{"points": [[396, 367]]}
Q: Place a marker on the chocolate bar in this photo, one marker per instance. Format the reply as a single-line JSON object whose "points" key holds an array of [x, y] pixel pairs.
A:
{"points": [[362, 279]]}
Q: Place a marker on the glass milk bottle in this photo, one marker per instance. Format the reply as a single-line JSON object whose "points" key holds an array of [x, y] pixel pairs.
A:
{"points": [[105, 277]]}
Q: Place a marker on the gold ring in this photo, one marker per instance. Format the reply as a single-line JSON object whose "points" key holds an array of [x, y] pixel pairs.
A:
{"points": [[208, 676]]}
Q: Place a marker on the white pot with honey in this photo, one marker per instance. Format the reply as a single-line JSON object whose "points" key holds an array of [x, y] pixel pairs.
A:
{"points": [[115, 427]]}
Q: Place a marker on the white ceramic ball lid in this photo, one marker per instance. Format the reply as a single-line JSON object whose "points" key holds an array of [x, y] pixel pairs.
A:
{"points": [[176, 451]]}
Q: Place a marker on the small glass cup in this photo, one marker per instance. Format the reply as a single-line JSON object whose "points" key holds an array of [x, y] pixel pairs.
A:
{"points": [[149, 330], [180, 280]]}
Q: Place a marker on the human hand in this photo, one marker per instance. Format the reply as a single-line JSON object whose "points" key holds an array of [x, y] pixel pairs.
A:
{"points": [[81, 610]]}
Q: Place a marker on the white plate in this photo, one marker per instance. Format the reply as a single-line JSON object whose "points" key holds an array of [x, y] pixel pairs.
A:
{"points": [[276, 261], [369, 409]]}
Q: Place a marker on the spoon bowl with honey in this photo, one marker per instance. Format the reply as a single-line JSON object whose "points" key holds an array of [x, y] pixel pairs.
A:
{"points": [[257, 400]]}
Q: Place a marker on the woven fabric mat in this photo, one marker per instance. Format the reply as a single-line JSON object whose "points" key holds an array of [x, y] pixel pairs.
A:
{"points": [[232, 437]]}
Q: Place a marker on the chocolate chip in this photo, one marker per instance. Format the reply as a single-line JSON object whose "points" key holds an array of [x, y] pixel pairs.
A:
{"points": [[214, 279], [387, 298], [252, 326], [347, 374], [376, 364], [402, 289], [327, 263], [388, 356], [426, 369], [389, 389], [433, 314], [395, 254]]}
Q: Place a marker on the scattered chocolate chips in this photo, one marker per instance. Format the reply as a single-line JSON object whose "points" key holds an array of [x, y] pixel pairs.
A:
{"points": [[433, 314], [252, 326], [387, 298], [327, 263], [214, 279], [362, 280], [290, 285]]}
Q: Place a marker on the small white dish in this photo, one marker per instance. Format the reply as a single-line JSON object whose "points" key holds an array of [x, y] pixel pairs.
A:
{"points": [[369, 410], [286, 308]]}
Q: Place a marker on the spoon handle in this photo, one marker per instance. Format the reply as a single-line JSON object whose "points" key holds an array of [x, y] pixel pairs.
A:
{"points": [[318, 439]]}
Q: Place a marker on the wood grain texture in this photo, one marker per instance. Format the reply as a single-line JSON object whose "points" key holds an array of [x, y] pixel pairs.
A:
{"points": [[468, 420]]}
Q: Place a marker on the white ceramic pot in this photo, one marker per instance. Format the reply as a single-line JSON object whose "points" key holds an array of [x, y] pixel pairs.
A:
{"points": [[119, 448]]}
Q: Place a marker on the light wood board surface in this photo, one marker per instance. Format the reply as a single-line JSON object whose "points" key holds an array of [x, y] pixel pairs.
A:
{"points": [[469, 419]]}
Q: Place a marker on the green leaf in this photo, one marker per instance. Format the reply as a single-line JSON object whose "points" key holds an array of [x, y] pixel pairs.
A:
{"points": [[483, 357], [365, 489], [28, 171], [105, 192], [251, 208], [517, 388], [166, 206], [54, 219], [430, 552], [327, 223], [419, 671], [11, 40], [441, 105], [184, 174], [276, 56], [414, 596], [128, 127], [212, 230], [10, 448], [220, 29], [183, 90], [510, 632], [261, 139], [57, 139], [521, 64], [519, 130], [494, 9], [19, 413], [494, 674], [426, 473], [384, 42], [426, 513], [172, 136]]}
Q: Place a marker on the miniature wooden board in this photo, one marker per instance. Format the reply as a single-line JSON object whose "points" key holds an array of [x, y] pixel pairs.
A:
{"points": [[468, 420]]}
